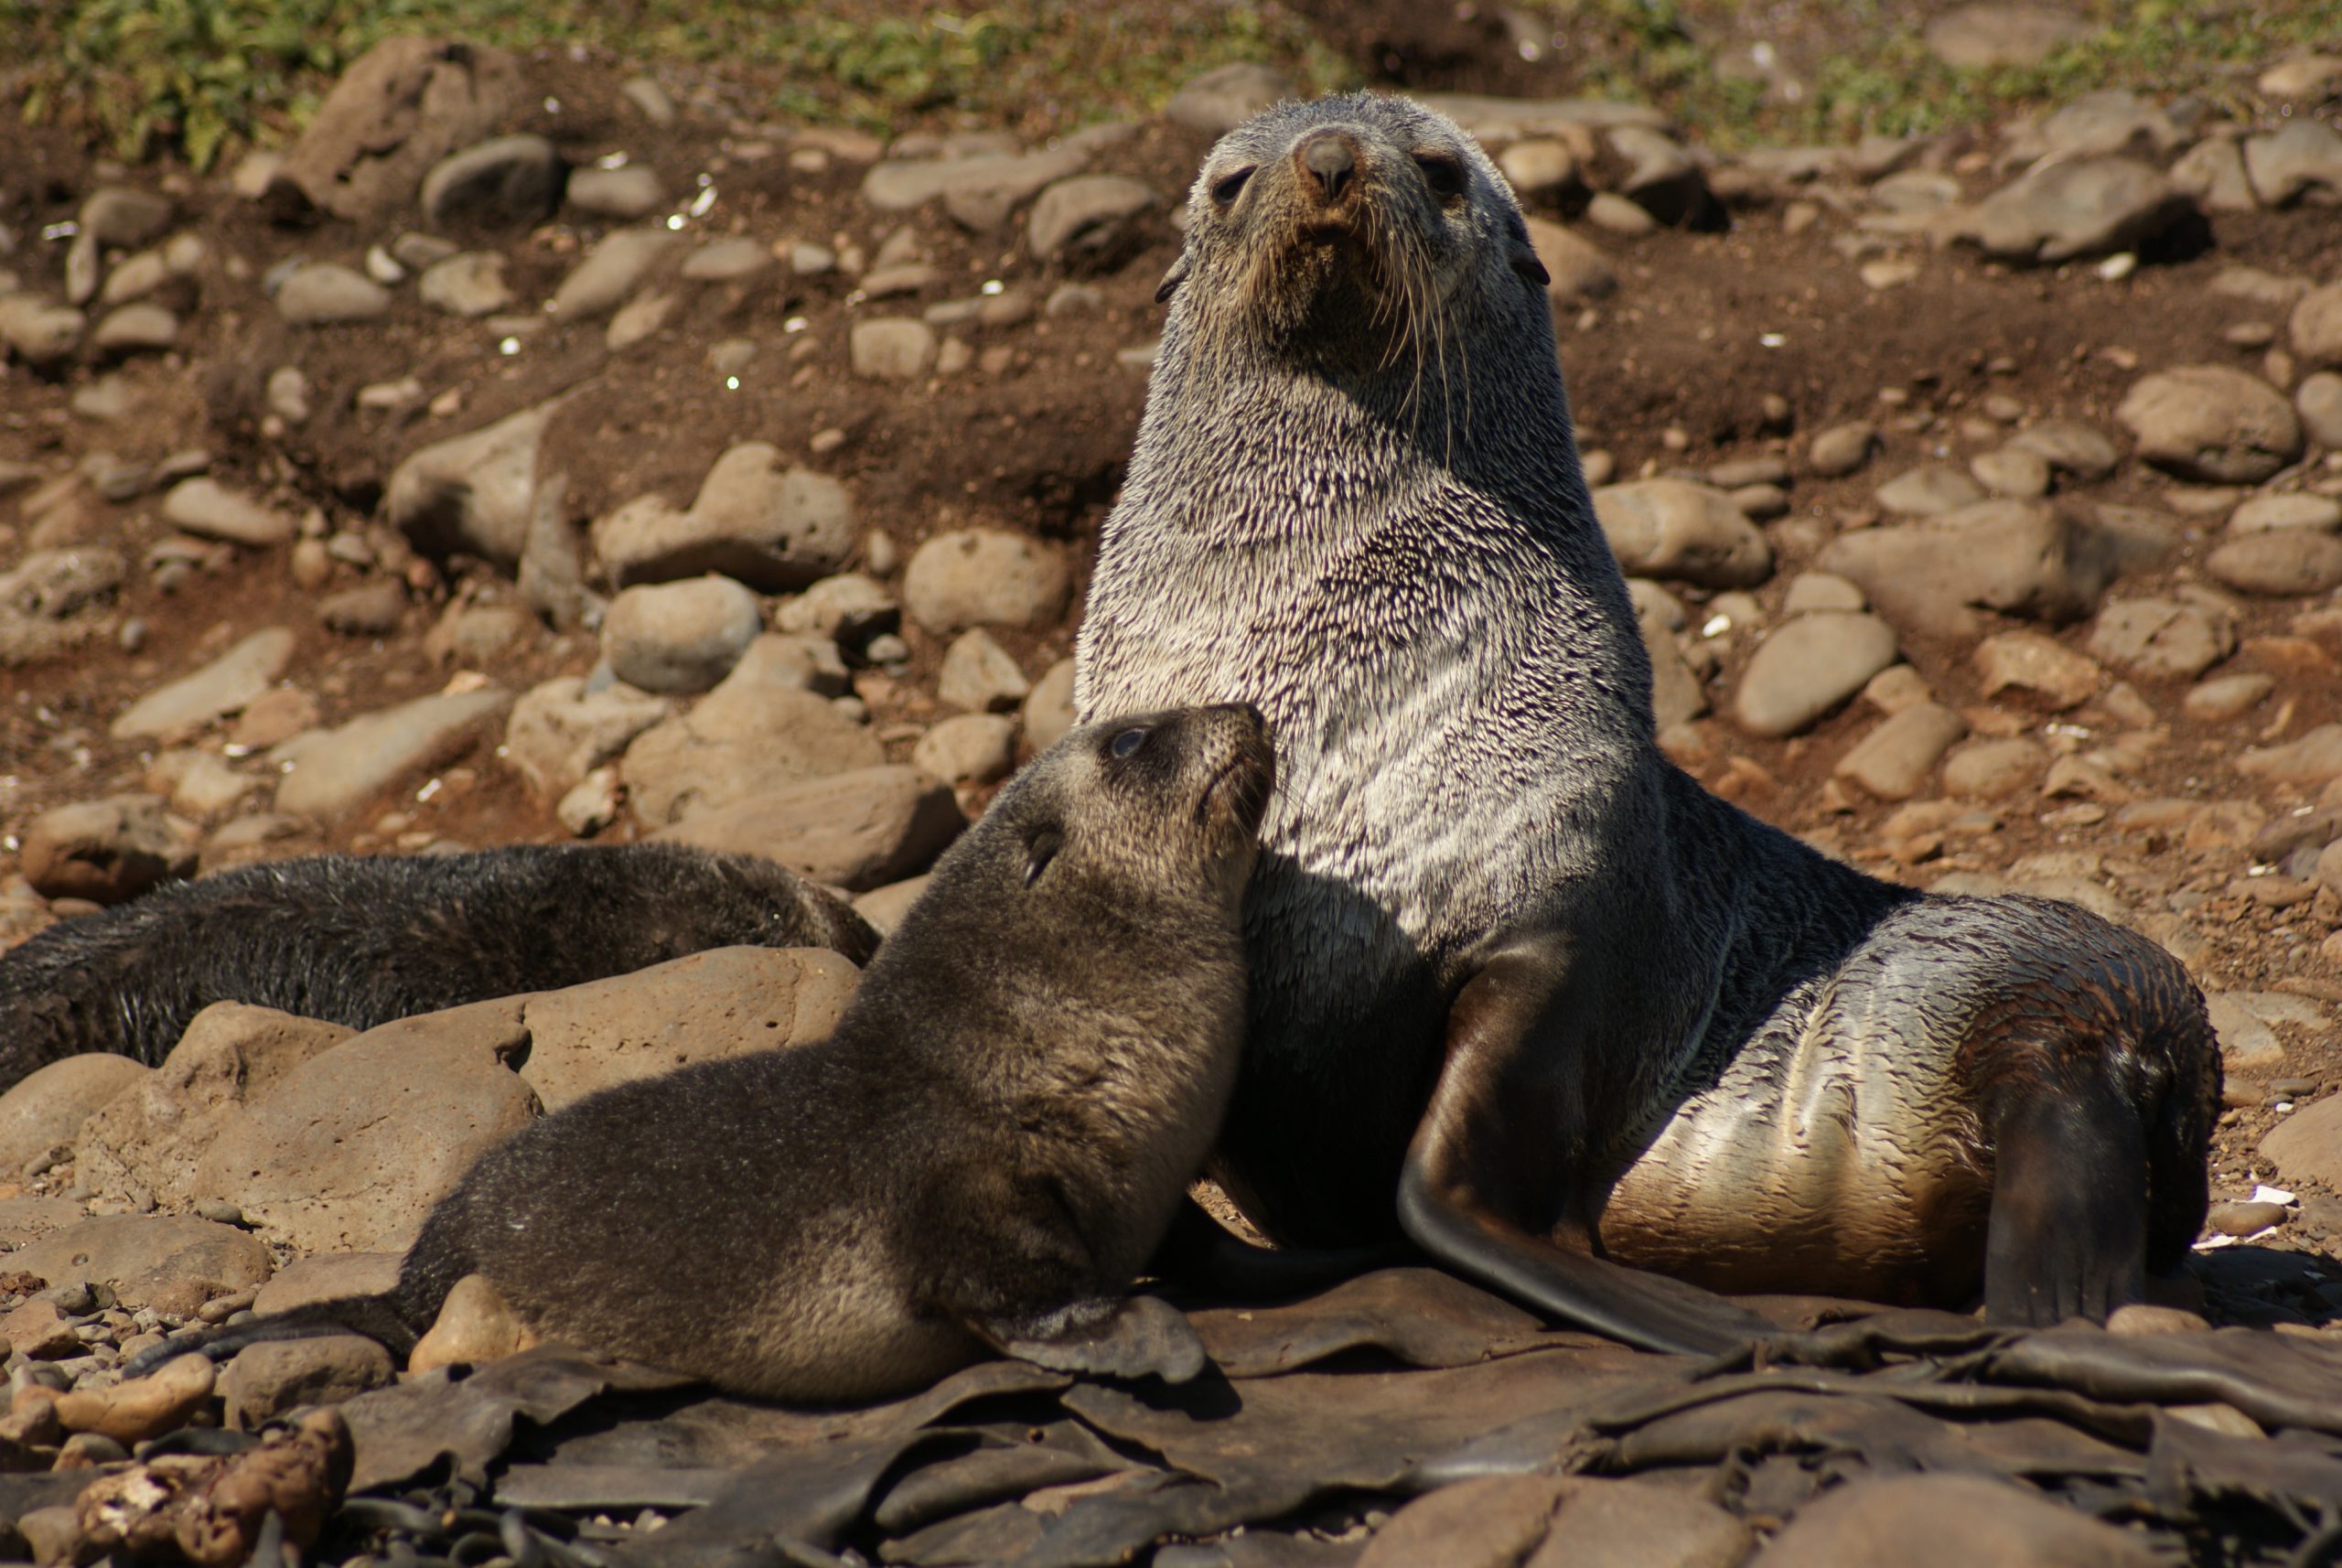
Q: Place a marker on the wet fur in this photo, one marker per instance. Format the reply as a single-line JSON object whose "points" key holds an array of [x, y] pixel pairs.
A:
{"points": [[1001, 1128], [1356, 501], [361, 941]]}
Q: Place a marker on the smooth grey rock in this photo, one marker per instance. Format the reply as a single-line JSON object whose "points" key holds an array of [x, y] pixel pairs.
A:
{"points": [[758, 728], [226, 685], [396, 110], [172, 1262], [770, 526], [1680, 531], [680, 638], [265, 1380], [1575, 268], [1497, 119], [726, 261], [984, 187], [629, 192], [2318, 401], [1218, 101], [2279, 563], [371, 609], [2315, 328], [324, 294], [2285, 510], [2020, 558], [2211, 423], [336, 772], [2213, 172], [849, 609], [2299, 161], [980, 676], [1048, 713], [507, 181], [1661, 177], [559, 731], [864, 828], [2112, 120], [2162, 640], [2314, 758], [1894, 760], [135, 329], [1994, 769], [967, 748], [1807, 667], [1929, 491], [38, 331], [2012, 471], [892, 349], [470, 284], [106, 851], [1842, 449], [123, 217], [209, 510], [1088, 215], [610, 273], [474, 492], [2070, 447], [982, 576], [2084, 207]]}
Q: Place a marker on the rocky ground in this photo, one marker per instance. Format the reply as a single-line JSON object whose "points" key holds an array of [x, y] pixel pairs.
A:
{"points": [[536, 450]]}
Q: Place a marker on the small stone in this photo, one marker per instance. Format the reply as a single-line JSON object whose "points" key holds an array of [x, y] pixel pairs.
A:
{"points": [[726, 261], [980, 676], [1929, 491], [269, 1379], [511, 181], [2071, 448], [2076, 207], [2318, 401], [609, 274], [1088, 216], [772, 527], [1982, 37], [37, 1330], [1807, 667], [1539, 168], [896, 349], [336, 772], [1677, 530], [2277, 563], [1221, 99], [1048, 711], [971, 748], [2012, 471], [372, 609], [1575, 268], [640, 318], [1619, 216], [323, 294], [2314, 758], [2162, 638], [630, 192], [1842, 449], [147, 1407], [220, 688], [985, 577], [107, 851], [591, 804], [2040, 666], [134, 329], [2262, 514], [682, 637], [1994, 769], [561, 731], [2244, 1218], [2212, 423], [38, 332], [470, 284], [2226, 697], [1810, 591], [1894, 760], [475, 1325], [859, 829], [209, 510], [2301, 160]]}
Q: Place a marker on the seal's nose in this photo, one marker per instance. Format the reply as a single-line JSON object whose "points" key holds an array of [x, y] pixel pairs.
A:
{"points": [[1330, 161]]}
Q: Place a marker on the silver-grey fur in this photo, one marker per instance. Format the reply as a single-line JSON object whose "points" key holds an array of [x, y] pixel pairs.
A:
{"points": [[1356, 501]]}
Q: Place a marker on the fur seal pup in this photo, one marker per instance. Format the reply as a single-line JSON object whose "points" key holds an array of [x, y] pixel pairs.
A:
{"points": [[986, 1152], [1522, 990], [361, 941]]}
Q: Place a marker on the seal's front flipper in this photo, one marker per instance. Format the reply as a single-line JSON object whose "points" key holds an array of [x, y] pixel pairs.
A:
{"points": [[2068, 1231], [1104, 1337], [1494, 1148], [1200, 1254]]}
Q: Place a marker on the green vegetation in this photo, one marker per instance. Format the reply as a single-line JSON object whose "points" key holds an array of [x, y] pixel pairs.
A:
{"points": [[1860, 71], [200, 75]]}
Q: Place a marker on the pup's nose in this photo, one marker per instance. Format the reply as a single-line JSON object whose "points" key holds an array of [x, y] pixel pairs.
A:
{"points": [[1330, 161]]}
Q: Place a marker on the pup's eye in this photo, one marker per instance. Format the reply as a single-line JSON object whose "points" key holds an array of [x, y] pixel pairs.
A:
{"points": [[1444, 174], [1042, 850], [1228, 186], [1127, 742]]}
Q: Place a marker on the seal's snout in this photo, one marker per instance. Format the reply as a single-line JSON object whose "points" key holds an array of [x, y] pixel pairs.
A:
{"points": [[1328, 166]]}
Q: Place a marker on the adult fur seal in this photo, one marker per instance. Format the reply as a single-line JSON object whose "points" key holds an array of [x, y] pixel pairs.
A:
{"points": [[987, 1151], [361, 941], [1521, 989]]}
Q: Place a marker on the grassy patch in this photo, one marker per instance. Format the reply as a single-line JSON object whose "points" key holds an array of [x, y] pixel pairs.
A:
{"points": [[197, 76]]}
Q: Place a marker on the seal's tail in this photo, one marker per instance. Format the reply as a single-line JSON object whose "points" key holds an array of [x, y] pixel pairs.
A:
{"points": [[382, 1318]]}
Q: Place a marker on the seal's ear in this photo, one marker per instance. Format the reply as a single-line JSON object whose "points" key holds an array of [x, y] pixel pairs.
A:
{"points": [[1040, 849], [1523, 255], [1172, 279]]}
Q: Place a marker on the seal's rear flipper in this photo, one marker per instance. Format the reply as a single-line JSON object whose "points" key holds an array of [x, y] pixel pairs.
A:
{"points": [[374, 1316], [2068, 1231], [1489, 1151], [1104, 1337]]}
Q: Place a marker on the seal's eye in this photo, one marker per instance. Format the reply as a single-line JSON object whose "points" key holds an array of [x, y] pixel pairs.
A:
{"points": [[1127, 742], [1042, 849], [1444, 175], [1228, 186]]}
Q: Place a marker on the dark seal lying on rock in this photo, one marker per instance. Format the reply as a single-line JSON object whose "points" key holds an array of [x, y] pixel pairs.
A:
{"points": [[986, 1152], [360, 941], [1522, 988]]}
